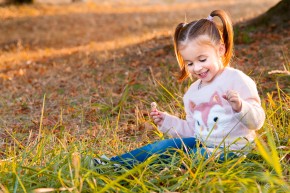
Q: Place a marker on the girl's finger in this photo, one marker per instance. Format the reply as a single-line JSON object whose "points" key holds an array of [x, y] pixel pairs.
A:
{"points": [[233, 99], [157, 120], [154, 113], [157, 117], [225, 97]]}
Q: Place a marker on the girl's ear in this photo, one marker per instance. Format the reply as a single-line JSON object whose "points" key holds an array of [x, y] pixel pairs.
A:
{"points": [[222, 49]]}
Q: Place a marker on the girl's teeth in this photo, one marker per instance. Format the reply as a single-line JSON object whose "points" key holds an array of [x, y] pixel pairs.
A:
{"points": [[202, 74]]}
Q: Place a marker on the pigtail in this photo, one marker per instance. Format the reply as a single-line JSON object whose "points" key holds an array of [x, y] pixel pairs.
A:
{"points": [[184, 73], [227, 34]]}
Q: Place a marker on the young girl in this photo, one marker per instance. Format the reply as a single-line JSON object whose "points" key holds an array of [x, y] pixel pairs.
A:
{"points": [[222, 106]]}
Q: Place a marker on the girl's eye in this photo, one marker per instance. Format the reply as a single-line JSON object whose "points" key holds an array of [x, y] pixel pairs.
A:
{"points": [[203, 60], [190, 64]]}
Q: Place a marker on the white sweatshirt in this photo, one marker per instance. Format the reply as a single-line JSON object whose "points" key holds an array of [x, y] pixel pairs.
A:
{"points": [[210, 118]]}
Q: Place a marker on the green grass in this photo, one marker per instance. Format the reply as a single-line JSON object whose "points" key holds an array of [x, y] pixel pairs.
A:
{"points": [[55, 159]]}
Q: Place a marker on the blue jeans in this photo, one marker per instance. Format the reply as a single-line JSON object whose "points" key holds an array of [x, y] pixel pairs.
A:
{"points": [[189, 145]]}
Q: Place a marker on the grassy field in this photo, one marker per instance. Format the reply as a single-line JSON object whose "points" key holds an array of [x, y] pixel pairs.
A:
{"points": [[70, 92]]}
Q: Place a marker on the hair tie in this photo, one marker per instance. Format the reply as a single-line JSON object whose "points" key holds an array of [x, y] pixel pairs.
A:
{"points": [[210, 18]]}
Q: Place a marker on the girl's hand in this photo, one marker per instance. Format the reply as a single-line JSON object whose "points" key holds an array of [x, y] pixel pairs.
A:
{"points": [[157, 116], [234, 99]]}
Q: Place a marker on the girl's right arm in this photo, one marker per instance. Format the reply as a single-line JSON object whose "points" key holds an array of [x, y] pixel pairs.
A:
{"points": [[173, 125]]}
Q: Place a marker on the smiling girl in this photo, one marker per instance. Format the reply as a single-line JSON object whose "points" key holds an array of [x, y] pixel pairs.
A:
{"points": [[223, 108]]}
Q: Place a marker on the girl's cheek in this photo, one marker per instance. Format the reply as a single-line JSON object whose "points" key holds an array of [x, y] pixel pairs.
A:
{"points": [[190, 70], [194, 75]]}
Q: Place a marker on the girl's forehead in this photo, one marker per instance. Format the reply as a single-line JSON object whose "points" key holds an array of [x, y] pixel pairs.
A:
{"points": [[196, 46], [200, 40]]}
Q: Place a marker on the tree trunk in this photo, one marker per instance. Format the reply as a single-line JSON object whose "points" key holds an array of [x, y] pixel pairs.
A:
{"points": [[18, 1], [278, 16]]}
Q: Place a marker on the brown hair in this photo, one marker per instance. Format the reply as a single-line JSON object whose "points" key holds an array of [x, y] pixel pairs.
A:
{"points": [[185, 32]]}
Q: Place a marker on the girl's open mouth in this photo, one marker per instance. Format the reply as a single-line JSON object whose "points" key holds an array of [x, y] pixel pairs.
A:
{"points": [[204, 74]]}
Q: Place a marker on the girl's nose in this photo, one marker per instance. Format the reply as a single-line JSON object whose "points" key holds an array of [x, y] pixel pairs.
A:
{"points": [[197, 67]]}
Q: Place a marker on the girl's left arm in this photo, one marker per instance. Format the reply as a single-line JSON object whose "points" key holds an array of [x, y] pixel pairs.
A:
{"points": [[251, 113]]}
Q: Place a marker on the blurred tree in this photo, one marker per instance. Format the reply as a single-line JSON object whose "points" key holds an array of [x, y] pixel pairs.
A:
{"points": [[277, 16], [32, 1], [19, 1]]}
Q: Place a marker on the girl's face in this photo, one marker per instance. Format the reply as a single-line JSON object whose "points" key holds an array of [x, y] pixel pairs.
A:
{"points": [[201, 59]]}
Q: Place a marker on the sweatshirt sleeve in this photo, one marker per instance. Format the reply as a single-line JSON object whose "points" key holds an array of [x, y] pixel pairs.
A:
{"points": [[252, 114], [177, 127]]}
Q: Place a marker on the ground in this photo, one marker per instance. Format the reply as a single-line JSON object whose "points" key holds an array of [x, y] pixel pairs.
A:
{"points": [[81, 56]]}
